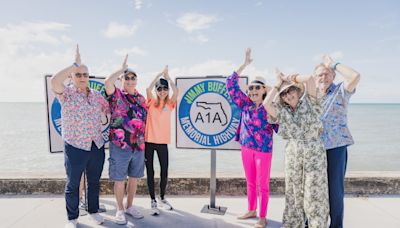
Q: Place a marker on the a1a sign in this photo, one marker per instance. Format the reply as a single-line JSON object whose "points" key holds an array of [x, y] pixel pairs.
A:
{"points": [[206, 116]]}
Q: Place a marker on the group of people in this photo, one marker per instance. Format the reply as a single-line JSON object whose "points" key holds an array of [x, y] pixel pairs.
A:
{"points": [[138, 128], [310, 113]]}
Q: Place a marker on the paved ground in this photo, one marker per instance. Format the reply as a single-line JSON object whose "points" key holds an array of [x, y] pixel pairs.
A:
{"points": [[49, 211]]}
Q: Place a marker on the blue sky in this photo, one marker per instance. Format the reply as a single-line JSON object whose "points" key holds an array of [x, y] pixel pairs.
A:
{"points": [[199, 38]]}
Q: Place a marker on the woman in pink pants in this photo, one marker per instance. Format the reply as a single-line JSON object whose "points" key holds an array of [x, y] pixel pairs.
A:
{"points": [[255, 137]]}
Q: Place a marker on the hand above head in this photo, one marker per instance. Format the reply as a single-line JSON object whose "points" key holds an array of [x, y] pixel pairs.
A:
{"points": [[248, 58], [327, 60], [124, 64], [165, 73], [247, 61], [280, 77], [78, 56]]}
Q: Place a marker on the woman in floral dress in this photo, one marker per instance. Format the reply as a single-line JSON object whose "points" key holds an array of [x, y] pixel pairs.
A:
{"points": [[306, 185], [255, 138]]}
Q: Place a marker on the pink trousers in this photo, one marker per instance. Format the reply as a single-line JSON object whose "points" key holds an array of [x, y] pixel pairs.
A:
{"points": [[257, 167]]}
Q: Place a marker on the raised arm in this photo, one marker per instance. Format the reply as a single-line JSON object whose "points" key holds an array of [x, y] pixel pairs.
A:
{"points": [[269, 100], [149, 90], [309, 80], [175, 91], [247, 62], [110, 80], [350, 76], [57, 81], [232, 84]]}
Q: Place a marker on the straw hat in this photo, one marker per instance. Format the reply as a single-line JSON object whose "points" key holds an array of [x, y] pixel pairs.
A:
{"points": [[287, 84]]}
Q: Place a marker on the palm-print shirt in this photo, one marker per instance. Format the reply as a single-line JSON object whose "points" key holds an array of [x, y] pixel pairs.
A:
{"points": [[254, 131], [128, 120], [81, 117], [336, 131]]}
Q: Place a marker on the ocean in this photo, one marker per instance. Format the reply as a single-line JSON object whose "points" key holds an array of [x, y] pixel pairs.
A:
{"points": [[24, 150]]}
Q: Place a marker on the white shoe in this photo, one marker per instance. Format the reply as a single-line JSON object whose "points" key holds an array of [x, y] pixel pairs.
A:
{"points": [[120, 218], [96, 218], [165, 204], [71, 223], [134, 212], [154, 210]]}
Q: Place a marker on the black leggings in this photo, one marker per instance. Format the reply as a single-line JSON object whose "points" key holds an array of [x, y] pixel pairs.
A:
{"points": [[162, 153]]}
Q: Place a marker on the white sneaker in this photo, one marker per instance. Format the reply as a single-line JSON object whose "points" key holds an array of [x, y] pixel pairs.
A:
{"points": [[154, 210], [165, 204], [134, 212], [96, 218], [71, 223], [120, 218]]}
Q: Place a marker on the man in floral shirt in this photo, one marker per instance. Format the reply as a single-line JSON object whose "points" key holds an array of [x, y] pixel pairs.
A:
{"points": [[81, 110], [336, 135], [128, 116]]}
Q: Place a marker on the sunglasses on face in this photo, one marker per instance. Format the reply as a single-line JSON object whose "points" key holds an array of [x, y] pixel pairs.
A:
{"points": [[256, 87], [79, 75], [159, 89], [287, 91], [127, 78]]}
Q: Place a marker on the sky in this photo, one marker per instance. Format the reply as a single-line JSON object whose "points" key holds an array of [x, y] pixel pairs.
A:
{"points": [[198, 38]]}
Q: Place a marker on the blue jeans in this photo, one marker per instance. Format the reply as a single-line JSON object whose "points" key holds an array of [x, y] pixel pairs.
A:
{"points": [[337, 162], [75, 162]]}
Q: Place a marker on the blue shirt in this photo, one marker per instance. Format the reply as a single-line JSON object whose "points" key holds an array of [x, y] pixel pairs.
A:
{"points": [[334, 117]]}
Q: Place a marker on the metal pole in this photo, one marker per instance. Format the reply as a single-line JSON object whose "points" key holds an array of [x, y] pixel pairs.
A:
{"points": [[213, 179], [86, 190]]}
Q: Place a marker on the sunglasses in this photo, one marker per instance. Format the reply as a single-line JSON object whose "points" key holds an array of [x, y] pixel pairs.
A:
{"points": [[256, 87], [127, 78], [159, 89], [287, 91], [79, 75]]}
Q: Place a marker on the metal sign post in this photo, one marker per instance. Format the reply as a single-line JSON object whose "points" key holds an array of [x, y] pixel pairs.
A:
{"points": [[206, 118], [211, 208]]}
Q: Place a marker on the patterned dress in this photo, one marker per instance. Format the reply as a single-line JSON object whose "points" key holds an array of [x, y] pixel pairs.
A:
{"points": [[306, 182]]}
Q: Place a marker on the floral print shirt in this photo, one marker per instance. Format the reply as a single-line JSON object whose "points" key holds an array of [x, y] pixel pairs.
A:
{"points": [[81, 117], [336, 131], [254, 131], [128, 120]]}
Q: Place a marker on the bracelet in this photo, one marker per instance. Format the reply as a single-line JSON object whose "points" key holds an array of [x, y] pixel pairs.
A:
{"points": [[335, 65], [75, 64]]}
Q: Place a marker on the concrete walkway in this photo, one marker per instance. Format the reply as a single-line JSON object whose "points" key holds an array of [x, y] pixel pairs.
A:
{"points": [[49, 211]]}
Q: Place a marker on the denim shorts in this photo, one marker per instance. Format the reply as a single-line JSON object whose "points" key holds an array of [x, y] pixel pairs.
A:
{"points": [[125, 163]]}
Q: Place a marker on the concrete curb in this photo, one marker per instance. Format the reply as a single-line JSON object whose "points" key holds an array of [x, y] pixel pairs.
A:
{"points": [[200, 186]]}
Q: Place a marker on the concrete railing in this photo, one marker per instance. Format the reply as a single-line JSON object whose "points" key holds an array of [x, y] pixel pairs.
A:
{"points": [[360, 185]]}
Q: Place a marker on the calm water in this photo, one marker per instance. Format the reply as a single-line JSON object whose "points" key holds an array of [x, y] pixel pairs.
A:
{"points": [[24, 145]]}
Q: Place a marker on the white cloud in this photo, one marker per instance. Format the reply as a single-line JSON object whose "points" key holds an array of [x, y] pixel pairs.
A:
{"points": [[199, 38], [259, 3], [25, 60], [14, 37], [195, 21], [138, 4], [217, 67], [117, 30], [134, 50]]}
